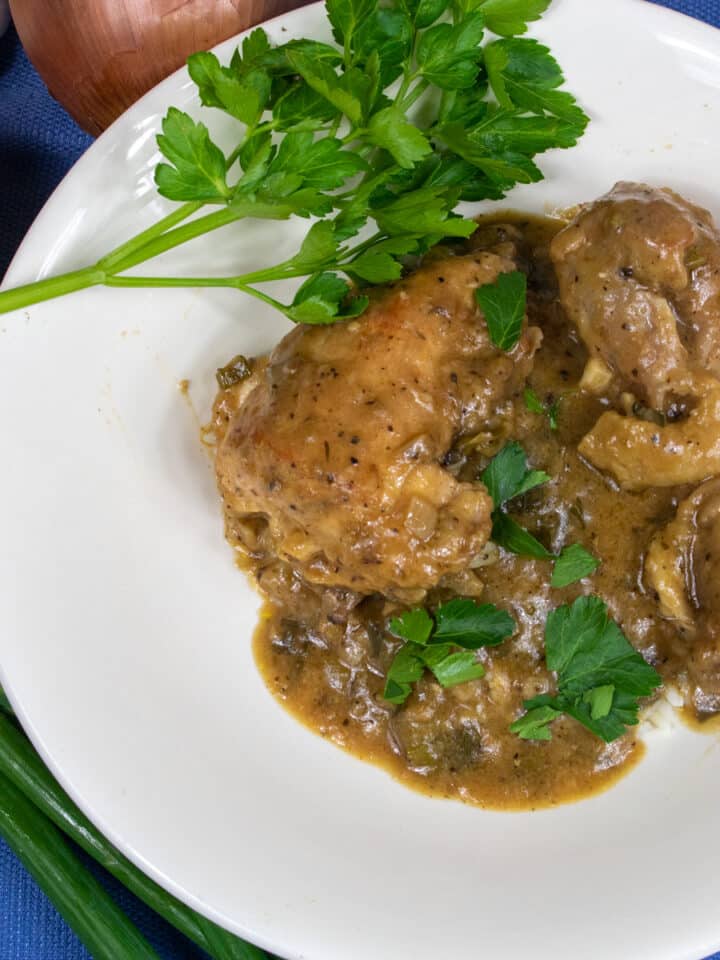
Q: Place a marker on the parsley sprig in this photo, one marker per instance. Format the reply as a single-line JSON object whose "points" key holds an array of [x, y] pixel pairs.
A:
{"points": [[600, 675], [444, 644], [419, 105]]}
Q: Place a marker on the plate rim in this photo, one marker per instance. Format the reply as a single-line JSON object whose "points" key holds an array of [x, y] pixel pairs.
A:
{"points": [[668, 15]]}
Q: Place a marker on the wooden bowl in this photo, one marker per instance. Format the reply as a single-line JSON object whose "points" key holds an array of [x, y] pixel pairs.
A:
{"points": [[98, 56]]}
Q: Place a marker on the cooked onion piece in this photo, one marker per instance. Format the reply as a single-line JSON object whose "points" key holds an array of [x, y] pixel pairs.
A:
{"points": [[641, 453]]}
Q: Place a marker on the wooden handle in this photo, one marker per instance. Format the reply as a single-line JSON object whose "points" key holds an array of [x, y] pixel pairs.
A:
{"points": [[99, 56]]}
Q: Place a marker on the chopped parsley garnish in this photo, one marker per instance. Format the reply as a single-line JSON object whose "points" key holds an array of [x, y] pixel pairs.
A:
{"points": [[600, 675], [432, 643], [535, 405], [503, 303], [508, 476], [509, 535], [574, 563]]}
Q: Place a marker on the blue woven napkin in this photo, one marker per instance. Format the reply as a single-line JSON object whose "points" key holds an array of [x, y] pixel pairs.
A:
{"points": [[38, 145]]}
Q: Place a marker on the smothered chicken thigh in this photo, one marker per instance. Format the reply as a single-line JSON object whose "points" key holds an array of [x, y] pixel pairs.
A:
{"points": [[639, 275], [339, 445]]}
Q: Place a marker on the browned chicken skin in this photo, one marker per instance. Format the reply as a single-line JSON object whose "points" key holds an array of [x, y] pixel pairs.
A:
{"points": [[340, 443], [639, 274]]}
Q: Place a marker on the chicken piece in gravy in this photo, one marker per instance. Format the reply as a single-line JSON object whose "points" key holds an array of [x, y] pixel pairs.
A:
{"points": [[339, 446], [639, 276]]}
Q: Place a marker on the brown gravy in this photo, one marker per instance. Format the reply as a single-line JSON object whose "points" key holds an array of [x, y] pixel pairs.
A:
{"points": [[328, 667]]}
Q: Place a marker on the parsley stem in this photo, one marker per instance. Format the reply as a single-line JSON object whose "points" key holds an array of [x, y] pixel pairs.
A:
{"points": [[234, 155], [157, 229], [239, 282], [24, 769], [355, 134], [404, 86], [279, 272], [361, 247], [417, 91], [106, 271], [259, 295], [157, 242], [250, 132], [173, 238], [50, 288], [446, 102], [235, 283], [115, 281], [120, 258]]}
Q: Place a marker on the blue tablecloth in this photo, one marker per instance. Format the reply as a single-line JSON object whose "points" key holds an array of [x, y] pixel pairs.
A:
{"points": [[38, 144]]}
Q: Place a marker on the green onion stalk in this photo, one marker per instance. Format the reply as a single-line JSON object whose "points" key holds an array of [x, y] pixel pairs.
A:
{"points": [[33, 811]]}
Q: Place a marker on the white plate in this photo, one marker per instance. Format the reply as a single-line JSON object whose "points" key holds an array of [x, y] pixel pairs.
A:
{"points": [[125, 629]]}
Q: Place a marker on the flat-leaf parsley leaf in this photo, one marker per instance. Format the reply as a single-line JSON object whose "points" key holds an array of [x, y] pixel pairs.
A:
{"points": [[471, 625], [574, 563], [507, 476], [503, 303], [508, 534], [510, 17], [534, 404], [524, 74]]}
